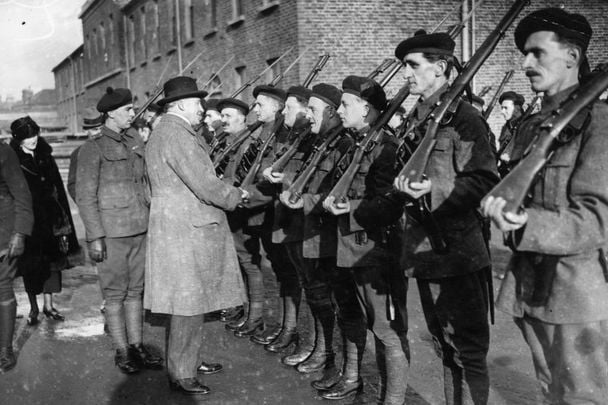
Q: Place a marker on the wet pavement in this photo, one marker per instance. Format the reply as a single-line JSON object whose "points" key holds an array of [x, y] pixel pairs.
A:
{"points": [[71, 362]]}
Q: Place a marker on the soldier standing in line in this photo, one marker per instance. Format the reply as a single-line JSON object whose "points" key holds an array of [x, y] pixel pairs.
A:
{"points": [[316, 254], [511, 108], [111, 196], [556, 285], [363, 246], [16, 223], [461, 169]]}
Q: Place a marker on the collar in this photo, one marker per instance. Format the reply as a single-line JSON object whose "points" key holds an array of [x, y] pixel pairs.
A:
{"points": [[424, 105], [550, 103], [181, 121], [111, 133]]}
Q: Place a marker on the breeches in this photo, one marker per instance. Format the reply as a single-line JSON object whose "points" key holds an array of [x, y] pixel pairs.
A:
{"points": [[8, 268]]}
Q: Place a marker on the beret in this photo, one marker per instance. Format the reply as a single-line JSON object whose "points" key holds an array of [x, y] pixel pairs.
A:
{"points": [[233, 103], [180, 87], [91, 118], [24, 127], [571, 26], [400, 110], [476, 99], [299, 92], [270, 91], [327, 93], [211, 104], [366, 89], [113, 99], [517, 98], [436, 43]]}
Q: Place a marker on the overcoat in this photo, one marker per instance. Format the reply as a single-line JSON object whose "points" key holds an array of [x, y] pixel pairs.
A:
{"points": [[191, 262]]}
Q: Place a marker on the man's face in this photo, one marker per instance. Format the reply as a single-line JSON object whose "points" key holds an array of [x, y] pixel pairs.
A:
{"points": [[192, 110], [151, 117], [317, 113], [122, 116], [30, 143], [265, 108], [352, 111], [546, 62], [395, 121], [91, 132], [506, 109], [233, 120], [213, 120], [422, 74], [293, 111]]}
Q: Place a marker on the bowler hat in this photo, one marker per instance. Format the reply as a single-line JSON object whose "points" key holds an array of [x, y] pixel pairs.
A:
{"points": [[180, 87], [91, 118]]}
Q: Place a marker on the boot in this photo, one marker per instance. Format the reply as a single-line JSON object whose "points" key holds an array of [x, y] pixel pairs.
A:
{"points": [[236, 323], [323, 354], [253, 323], [283, 341], [8, 313], [231, 314], [267, 335], [350, 382], [331, 376], [304, 345]]}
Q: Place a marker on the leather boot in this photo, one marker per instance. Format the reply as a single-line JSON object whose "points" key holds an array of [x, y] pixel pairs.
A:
{"points": [[323, 355], [250, 323], [343, 389], [283, 341], [250, 327], [236, 323], [8, 313], [231, 314], [304, 345], [350, 382], [145, 358], [125, 361], [267, 335], [331, 376]]}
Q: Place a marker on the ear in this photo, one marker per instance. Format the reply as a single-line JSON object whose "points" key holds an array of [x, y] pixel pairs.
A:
{"points": [[573, 56], [440, 67], [366, 110]]}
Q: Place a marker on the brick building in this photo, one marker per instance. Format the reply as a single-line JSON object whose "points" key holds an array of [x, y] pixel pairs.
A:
{"points": [[140, 43]]}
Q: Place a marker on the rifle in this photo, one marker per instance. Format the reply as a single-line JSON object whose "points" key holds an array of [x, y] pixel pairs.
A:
{"points": [[414, 168], [514, 187], [217, 73], [159, 90], [502, 85], [279, 164], [455, 30], [484, 90], [255, 79], [529, 111], [259, 156], [385, 64]]}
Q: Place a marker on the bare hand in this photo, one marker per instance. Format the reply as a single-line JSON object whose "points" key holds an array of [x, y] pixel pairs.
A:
{"points": [[273, 177], [493, 208], [284, 198], [335, 208], [413, 189], [16, 245], [97, 250]]}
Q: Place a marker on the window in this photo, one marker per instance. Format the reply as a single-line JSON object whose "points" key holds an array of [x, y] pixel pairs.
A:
{"points": [[102, 42], [273, 72], [88, 46], [212, 12], [188, 21], [94, 40], [237, 9], [172, 22], [131, 41], [156, 31], [142, 35], [111, 31], [241, 78], [268, 5]]}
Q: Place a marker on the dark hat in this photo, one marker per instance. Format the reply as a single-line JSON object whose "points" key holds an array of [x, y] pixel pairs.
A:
{"points": [[328, 93], [91, 118], [300, 92], [24, 127], [366, 89], [400, 110], [437, 43], [517, 98], [233, 103], [573, 27], [140, 123], [270, 91], [477, 100], [180, 87], [113, 99], [211, 104], [155, 108]]}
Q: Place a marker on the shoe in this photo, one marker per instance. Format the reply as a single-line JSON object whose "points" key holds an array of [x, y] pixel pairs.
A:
{"points": [[209, 368], [146, 359], [32, 318], [236, 324], [53, 314], [342, 389], [189, 386], [125, 362], [266, 336], [297, 357], [331, 376], [249, 328], [317, 361], [230, 314], [283, 341], [7, 359]]}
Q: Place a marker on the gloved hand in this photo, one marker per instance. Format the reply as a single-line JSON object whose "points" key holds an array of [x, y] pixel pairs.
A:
{"points": [[16, 245], [63, 244], [97, 250]]}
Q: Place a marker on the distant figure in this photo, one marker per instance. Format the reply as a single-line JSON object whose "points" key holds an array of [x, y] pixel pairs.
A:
{"points": [[511, 108], [397, 119], [143, 129]]}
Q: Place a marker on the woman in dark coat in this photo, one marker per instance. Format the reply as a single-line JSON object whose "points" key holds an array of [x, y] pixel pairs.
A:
{"points": [[46, 250]]}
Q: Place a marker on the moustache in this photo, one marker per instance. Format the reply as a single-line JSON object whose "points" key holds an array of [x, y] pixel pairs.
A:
{"points": [[530, 73]]}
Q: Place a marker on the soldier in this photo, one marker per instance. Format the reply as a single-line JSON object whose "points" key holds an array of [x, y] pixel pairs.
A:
{"points": [[363, 246], [192, 267], [111, 196], [453, 281], [16, 222], [511, 108], [316, 254], [396, 121], [556, 285]]}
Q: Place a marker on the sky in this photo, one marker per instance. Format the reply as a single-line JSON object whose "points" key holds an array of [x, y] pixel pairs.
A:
{"points": [[35, 35]]}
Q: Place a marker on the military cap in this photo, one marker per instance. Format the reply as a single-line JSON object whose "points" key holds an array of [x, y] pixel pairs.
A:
{"points": [[233, 103], [573, 27], [400, 110], [436, 43], [517, 98], [300, 92], [366, 89], [91, 118], [477, 100], [113, 99], [211, 104], [327, 93], [180, 87], [24, 127], [270, 91]]}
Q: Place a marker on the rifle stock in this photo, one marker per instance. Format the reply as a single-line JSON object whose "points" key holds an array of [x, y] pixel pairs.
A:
{"points": [[514, 187], [255, 166], [414, 168], [502, 85], [219, 159]]}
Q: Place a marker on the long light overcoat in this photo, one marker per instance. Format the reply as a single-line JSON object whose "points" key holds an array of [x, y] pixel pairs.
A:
{"points": [[191, 263]]}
